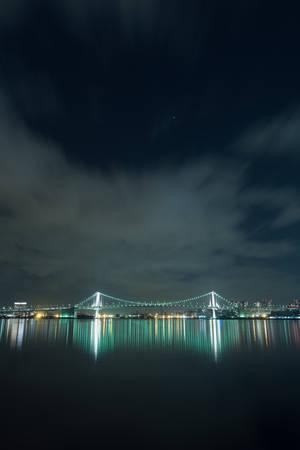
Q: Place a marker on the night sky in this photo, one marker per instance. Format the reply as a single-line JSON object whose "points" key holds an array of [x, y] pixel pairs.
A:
{"points": [[149, 149]]}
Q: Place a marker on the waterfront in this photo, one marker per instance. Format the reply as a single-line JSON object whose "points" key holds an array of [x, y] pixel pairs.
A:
{"points": [[78, 383]]}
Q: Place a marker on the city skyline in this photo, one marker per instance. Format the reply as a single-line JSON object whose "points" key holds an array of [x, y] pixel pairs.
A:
{"points": [[210, 305]]}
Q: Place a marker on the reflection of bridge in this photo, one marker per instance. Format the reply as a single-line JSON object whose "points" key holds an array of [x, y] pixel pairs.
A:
{"points": [[100, 303], [99, 337]]}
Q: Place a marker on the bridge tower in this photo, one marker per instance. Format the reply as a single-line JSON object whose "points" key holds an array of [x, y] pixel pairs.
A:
{"points": [[213, 304], [98, 303]]}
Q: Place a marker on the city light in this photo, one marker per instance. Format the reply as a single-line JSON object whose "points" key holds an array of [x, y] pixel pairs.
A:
{"points": [[207, 306]]}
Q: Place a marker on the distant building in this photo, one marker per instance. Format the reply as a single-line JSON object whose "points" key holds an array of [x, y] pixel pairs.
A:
{"points": [[20, 306]]}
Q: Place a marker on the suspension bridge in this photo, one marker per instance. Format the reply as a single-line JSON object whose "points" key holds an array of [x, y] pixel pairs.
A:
{"points": [[103, 302], [100, 303]]}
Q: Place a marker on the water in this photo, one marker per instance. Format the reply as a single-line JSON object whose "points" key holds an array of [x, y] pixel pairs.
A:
{"points": [[150, 384]]}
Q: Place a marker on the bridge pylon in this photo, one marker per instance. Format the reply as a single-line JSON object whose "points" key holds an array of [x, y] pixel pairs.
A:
{"points": [[213, 304], [98, 303]]}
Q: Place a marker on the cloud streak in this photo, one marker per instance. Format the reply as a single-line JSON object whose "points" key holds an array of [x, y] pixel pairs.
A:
{"points": [[279, 135]]}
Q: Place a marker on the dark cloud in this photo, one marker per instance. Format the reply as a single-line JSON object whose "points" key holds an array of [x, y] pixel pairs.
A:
{"points": [[176, 25], [131, 13], [11, 12], [169, 231]]}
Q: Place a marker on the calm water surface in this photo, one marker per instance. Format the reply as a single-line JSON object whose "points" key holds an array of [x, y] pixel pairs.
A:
{"points": [[151, 384]]}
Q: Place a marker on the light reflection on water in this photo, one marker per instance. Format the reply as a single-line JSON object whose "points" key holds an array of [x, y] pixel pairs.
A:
{"points": [[100, 336], [205, 381]]}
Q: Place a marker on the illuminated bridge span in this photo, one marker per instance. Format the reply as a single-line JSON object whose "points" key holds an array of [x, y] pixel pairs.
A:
{"points": [[101, 302]]}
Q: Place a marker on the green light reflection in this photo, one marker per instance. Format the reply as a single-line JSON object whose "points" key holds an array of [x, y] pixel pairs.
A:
{"points": [[214, 338]]}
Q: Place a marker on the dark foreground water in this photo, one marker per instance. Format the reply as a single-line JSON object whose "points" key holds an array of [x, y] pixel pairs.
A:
{"points": [[68, 384]]}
